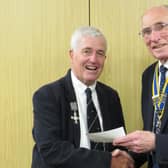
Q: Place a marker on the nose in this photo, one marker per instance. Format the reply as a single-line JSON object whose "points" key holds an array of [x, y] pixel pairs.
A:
{"points": [[155, 35], [93, 57]]}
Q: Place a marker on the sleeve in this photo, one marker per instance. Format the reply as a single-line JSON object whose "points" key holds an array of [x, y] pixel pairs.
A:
{"points": [[139, 158], [162, 148], [53, 149]]}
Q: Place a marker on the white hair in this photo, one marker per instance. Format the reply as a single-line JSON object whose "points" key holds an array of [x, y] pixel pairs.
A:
{"points": [[85, 31]]}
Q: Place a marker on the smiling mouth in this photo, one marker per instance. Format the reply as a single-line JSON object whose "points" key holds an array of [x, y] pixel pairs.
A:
{"points": [[91, 68], [158, 46]]}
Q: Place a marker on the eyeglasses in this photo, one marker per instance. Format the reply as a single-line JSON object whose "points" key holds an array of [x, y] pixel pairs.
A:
{"points": [[146, 32], [89, 52]]}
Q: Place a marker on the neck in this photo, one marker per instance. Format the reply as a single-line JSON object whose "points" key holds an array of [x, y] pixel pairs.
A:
{"points": [[163, 61]]}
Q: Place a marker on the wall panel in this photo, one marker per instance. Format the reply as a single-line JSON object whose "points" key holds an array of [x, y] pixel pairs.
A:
{"points": [[34, 43]]}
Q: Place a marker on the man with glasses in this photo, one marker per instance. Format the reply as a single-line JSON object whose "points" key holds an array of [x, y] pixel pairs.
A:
{"points": [[152, 143]]}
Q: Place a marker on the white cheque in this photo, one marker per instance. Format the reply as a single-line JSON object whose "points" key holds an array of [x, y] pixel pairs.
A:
{"points": [[107, 136]]}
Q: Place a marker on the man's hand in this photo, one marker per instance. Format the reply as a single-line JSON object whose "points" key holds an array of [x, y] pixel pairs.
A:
{"points": [[138, 141], [121, 159]]}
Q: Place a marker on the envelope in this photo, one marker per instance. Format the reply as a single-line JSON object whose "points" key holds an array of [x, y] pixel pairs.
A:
{"points": [[107, 136]]}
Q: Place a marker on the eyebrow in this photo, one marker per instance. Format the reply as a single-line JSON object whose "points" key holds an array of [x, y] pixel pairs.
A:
{"points": [[153, 24]]}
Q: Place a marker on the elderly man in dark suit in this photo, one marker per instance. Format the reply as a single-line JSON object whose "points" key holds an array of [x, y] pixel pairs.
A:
{"points": [[60, 117], [152, 143]]}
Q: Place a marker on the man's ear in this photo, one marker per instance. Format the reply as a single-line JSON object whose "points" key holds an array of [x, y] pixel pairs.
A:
{"points": [[70, 53]]}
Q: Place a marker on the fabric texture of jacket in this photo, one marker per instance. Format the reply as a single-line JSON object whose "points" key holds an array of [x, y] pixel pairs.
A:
{"points": [[57, 136]]}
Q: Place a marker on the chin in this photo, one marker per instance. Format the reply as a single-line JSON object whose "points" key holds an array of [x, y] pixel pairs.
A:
{"points": [[161, 57]]}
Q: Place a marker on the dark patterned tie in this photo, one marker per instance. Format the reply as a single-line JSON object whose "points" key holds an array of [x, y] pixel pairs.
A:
{"points": [[157, 112], [92, 118], [162, 78]]}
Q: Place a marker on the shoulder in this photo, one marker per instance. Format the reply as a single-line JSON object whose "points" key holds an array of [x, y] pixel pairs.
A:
{"points": [[147, 75], [149, 70], [106, 89], [47, 92], [57, 84], [51, 86], [51, 90]]}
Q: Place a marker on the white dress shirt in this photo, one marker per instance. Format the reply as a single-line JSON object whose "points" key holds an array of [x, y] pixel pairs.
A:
{"points": [[165, 65], [80, 88]]}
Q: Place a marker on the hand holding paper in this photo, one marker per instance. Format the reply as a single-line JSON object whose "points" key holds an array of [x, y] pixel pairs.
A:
{"points": [[107, 136], [137, 141]]}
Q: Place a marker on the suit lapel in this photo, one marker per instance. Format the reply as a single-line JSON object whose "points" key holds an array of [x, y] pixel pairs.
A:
{"points": [[148, 109], [74, 125], [165, 116], [103, 106]]}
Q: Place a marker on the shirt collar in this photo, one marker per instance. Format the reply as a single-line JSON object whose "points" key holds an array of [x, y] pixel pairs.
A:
{"points": [[80, 86], [165, 64]]}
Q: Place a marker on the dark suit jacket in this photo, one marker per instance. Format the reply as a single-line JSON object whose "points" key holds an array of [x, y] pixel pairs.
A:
{"points": [[57, 137], [161, 151]]}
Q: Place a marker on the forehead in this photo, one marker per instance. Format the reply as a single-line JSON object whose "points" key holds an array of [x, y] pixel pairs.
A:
{"points": [[97, 42], [154, 15]]}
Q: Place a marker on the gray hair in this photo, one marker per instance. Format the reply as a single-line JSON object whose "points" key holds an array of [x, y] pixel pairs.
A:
{"points": [[85, 31]]}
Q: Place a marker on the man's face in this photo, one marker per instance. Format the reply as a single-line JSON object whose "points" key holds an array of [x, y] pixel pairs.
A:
{"points": [[156, 32], [87, 60]]}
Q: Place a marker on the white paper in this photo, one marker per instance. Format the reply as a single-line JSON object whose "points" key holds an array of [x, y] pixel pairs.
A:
{"points": [[107, 136]]}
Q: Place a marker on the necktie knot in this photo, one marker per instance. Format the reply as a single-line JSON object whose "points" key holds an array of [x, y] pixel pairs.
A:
{"points": [[163, 69], [88, 94]]}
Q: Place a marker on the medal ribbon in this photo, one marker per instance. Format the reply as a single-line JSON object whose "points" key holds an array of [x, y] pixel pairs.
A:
{"points": [[159, 99]]}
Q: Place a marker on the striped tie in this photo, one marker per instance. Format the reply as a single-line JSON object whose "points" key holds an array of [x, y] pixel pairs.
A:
{"points": [[162, 78], [92, 118]]}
